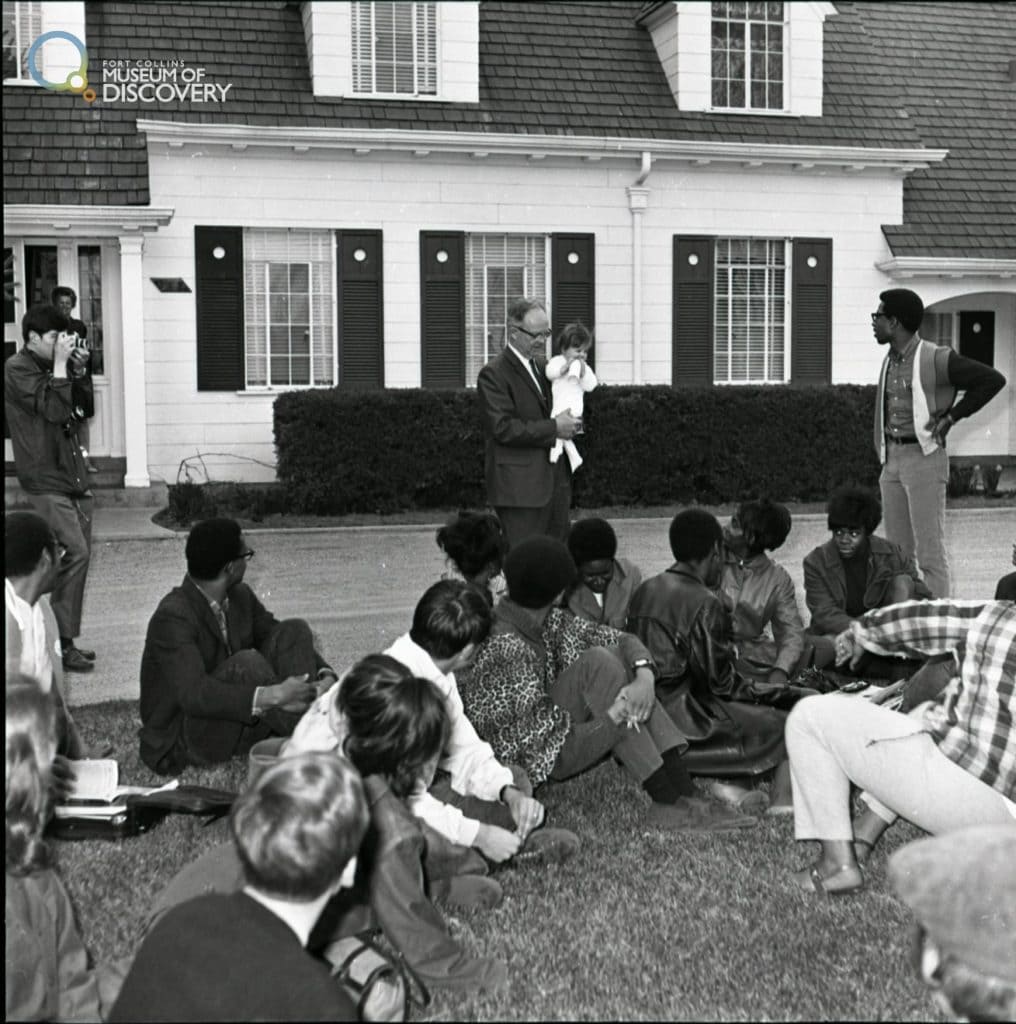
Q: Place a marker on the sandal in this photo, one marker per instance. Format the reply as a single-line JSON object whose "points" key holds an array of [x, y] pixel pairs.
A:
{"points": [[811, 881]]}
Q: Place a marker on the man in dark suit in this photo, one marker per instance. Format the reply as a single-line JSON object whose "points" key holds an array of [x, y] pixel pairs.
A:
{"points": [[219, 671], [531, 494]]}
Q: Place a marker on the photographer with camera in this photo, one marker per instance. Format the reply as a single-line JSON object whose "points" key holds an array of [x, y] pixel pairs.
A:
{"points": [[48, 394]]}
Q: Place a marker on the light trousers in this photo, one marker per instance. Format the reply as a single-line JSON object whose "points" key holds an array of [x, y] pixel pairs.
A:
{"points": [[838, 739], [913, 509]]}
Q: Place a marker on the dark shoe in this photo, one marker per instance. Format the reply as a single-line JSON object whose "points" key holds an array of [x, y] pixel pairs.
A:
{"points": [[844, 880], [468, 891], [693, 814], [87, 655], [76, 661], [548, 846]]}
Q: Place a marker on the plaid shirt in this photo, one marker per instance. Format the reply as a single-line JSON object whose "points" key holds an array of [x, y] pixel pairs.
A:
{"points": [[974, 719]]}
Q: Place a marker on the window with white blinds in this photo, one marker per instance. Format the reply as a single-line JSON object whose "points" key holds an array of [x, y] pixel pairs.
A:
{"points": [[747, 55], [22, 25], [395, 48], [289, 307], [499, 268], [750, 322]]}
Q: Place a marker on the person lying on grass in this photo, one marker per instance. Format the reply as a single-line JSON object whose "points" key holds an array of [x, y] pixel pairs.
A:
{"points": [[242, 955], [475, 800], [557, 694], [604, 583], [732, 735], [46, 970], [949, 764]]}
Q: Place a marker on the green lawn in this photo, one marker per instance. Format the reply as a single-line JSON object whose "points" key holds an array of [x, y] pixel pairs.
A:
{"points": [[640, 925]]}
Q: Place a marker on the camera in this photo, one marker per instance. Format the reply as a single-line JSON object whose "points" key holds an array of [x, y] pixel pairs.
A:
{"points": [[70, 425]]}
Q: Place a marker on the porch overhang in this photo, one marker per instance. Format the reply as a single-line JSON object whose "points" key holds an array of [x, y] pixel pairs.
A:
{"points": [[93, 221], [903, 267]]}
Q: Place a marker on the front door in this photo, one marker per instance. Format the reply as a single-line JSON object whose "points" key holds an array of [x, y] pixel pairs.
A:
{"points": [[32, 269], [977, 336]]}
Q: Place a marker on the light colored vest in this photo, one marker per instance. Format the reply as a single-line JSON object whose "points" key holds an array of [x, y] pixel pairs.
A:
{"points": [[932, 394]]}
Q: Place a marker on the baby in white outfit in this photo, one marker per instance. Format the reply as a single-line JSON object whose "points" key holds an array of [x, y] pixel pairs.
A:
{"points": [[570, 378]]}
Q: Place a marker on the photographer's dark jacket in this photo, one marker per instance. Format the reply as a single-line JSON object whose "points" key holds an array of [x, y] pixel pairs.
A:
{"points": [[41, 414]]}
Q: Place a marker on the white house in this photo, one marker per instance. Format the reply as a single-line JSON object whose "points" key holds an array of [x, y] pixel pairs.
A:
{"points": [[265, 196]]}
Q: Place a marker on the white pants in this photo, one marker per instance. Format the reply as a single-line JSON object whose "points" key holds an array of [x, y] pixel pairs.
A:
{"points": [[837, 739]]}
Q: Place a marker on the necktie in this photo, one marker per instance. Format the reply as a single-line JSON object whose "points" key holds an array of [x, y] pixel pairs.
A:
{"points": [[536, 377]]}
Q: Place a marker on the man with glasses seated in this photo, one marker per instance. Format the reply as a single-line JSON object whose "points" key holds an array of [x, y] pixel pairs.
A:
{"points": [[851, 574], [531, 494], [219, 671]]}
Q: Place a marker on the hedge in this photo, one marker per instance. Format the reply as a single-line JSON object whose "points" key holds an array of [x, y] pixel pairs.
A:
{"points": [[384, 451]]}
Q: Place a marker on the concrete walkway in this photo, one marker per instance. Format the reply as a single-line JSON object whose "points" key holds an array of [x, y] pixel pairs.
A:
{"points": [[357, 586]]}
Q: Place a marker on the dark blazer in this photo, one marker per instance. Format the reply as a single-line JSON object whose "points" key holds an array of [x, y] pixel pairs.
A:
{"points": [[182, 650], [825, 582], [518, 432]]}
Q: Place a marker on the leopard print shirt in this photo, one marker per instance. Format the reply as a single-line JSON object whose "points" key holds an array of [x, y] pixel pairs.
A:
{"points": [[507, 698]]}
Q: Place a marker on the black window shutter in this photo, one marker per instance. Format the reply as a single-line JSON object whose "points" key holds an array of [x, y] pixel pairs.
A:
{"points": [[573, 280], [692, 334], [361, 310], [811, 311], [443, 309], [219, 300]]}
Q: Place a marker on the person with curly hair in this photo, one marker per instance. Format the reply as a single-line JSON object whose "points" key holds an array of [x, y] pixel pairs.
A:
{"points": [[854, 572], [475, 544], [46, 975], [605, 584]]}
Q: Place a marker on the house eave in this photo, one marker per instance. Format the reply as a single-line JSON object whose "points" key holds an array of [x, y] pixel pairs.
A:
{"points": [[100, 221], [478, 145], [902, 267]]}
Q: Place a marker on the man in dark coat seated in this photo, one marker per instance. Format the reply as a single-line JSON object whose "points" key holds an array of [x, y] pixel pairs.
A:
{"points": [[219, 671], [688, 632]]}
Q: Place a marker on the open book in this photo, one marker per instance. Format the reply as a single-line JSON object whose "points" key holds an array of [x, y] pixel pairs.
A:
{"points": [[96, 792]]}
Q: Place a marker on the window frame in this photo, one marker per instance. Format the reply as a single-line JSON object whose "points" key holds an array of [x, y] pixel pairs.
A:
{"points": [[788, 250], [328, 272], [23, 77], [747, 21], [418, 44]]}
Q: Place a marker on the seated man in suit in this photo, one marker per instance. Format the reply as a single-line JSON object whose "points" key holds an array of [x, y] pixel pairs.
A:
{"points": [[531, 494], [219, 672], [854, 572]]}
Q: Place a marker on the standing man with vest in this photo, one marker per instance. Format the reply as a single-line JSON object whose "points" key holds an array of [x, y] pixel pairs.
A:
{"points": [[915, 409], [531, 494]]}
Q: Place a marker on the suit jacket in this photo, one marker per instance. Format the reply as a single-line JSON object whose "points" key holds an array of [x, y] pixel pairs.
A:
{"points": [[825, 582], [183, 648], [519, 434]]}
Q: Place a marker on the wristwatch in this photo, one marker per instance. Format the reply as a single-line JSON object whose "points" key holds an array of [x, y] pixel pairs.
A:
{"points": [[644, 663]]}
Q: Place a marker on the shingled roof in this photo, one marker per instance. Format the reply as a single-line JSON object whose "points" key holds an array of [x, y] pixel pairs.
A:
{"points": [[545, 68]]}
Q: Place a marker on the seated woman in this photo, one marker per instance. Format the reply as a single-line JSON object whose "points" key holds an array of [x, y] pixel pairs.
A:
{"points": [[767, 628], [46, 966], [475, 545], [242, 955], [854, 572], [949, 764], [603, 588]]}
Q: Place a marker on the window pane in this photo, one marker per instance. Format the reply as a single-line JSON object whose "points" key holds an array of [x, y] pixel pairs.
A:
{"points": [[90, 301]]}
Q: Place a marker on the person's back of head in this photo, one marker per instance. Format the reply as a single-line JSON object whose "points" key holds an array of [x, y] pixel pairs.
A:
{"points": [[694, 534], [768, 522], [211, 544], [298, 825], [41, 319], [906, 306], [961, 887], [537, 570], [31, 747], [397, 723], [449, 617], [855, 508], [26, 536], [592, 540], [475, 542]]}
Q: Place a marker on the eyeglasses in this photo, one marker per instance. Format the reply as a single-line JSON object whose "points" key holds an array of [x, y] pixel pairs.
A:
{"points": [[61, 551], [853, 532], [246, 556], [878, 313], [541, 335]]}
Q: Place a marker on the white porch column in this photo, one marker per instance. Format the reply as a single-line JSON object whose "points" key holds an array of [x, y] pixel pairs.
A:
{"points": [[638, 201], [132, 322]]}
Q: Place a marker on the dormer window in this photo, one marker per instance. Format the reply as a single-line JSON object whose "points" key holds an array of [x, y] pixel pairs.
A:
{"points": [[747, 55], [394, 48]]}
